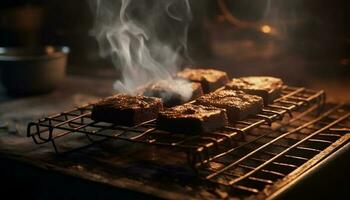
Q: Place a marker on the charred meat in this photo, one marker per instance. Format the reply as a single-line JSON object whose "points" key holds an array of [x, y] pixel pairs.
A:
{"points": [[189, 118], [269, 88], [238, 104], [126, 110], [210, 79], [173, 92]]}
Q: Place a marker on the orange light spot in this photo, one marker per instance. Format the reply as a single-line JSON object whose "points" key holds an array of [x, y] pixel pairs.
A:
{"points": [[265, 29]]}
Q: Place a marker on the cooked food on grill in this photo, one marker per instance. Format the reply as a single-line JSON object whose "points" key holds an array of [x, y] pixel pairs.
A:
{"points": [[189, 118], [269, 88], [210, 79], [126, 110], [238, 104], [173, 92]]}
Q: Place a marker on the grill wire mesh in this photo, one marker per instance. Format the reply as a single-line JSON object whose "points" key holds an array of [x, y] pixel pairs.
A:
{"points": [[265, 155], [246, 156]]}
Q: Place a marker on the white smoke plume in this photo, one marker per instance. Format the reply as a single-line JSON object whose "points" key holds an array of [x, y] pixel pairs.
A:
{"points": [[146, 39]]}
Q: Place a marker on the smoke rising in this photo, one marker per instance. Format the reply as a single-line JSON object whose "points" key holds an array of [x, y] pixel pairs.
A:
{"points": [[146, 39]]}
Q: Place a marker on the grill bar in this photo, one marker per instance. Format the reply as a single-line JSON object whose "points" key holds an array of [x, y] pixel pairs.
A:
{"points": [[282, 153], [261, 156], [335, 117], [199, 148], [285, 138], [308, 111]]}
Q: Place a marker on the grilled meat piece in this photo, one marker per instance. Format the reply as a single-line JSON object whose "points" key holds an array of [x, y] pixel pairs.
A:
{"points": [[269, 88], [238, 104], [126, 110], [189, 118], [173, 92], [210, 79]]}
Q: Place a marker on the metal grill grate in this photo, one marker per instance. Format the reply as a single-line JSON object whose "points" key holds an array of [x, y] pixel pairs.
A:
{"points": [[200, 148], [266, 155], [283, 141]]}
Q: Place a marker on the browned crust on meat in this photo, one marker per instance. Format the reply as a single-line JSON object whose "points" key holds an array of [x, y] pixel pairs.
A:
{"points": [[126, 110], [189, 118], [170, 91], [269, 88], [238, 104], [210, 79]]}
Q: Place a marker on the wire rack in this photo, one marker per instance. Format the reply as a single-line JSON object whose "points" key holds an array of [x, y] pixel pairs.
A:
{"points": [[200, 149], [266, 155]]}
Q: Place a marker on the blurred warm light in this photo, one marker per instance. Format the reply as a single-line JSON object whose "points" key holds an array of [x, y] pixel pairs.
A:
{"points": [[265, 29], [50, 50], [344, 61]]}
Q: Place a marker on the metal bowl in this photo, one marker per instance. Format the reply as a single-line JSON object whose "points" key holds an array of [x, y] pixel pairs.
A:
{"points": [[28, 71]]}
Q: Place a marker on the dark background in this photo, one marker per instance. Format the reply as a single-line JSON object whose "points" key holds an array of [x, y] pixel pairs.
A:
{"points": [[313, 38], [309, 45]]}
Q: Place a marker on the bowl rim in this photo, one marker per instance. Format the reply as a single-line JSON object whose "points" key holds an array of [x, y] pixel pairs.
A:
{"points": [[60, 51]]}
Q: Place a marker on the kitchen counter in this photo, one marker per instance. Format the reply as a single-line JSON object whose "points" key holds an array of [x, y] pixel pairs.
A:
{"points": [[74, 91]]}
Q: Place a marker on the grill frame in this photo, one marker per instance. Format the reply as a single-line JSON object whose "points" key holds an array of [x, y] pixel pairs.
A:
{"points": [[342, 138], [293, 98], [199, 157]]}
